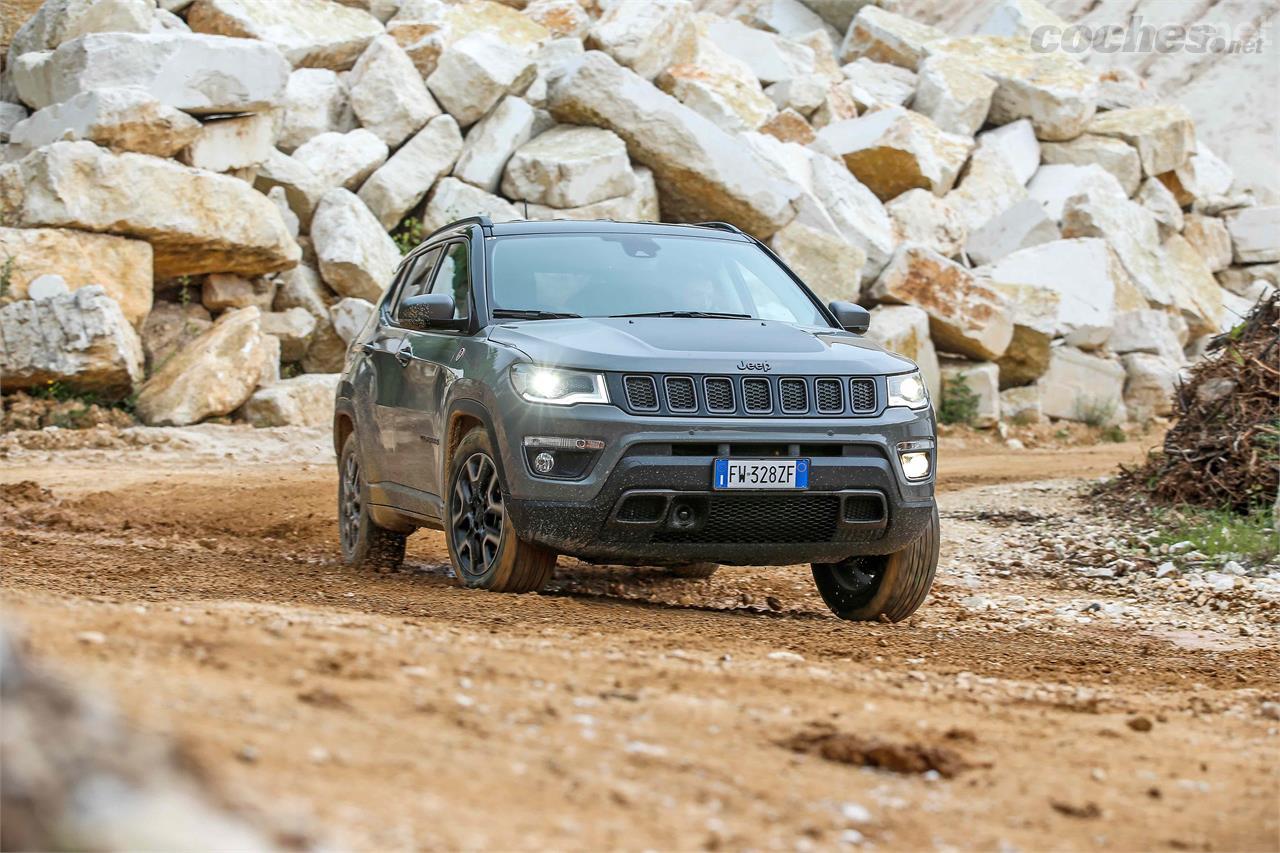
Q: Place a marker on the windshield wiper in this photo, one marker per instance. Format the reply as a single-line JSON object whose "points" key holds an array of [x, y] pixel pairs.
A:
{"points": [[532, 314], [698, 314]]}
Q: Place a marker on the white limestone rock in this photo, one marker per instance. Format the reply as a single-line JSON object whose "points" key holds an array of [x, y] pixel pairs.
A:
{"points": [[982, 378], [828, 263], [769, 56], [1164, 135], [195, 221], [10, 116], [212, 376], [894, 150], [965, 316], [1080, 386], [921, 217], [225, 291], [293, 328], [342, 159], [563, 18], [1021, 405], [491, 142], [640, 205], [229, 144], [1116, 156], [198, 74], [302, 287], [122, 119], [349, 315], [989, 186], [788, 18], [1017, 142], [315, 102], [310, 33], [1020, 227], [644, 35], [954, 94], [1018, 18], [305, 401], [1255, 234], [874, 84], [1156, 198], [718, 86], [1149, 330], [702, 172], [1210, 237], [387, 93], [475, 72], [81, 340], [58, 21], [404, 180], [302, 187], [1149, 385], [355, 255], [858, 215], [453, 199], [569, 166], [171, 327], [883, 36], [1034, 311], [1053, 185], [804, 94]]}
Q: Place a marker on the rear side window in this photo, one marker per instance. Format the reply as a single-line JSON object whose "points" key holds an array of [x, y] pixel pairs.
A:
{"points": [[453, 276]]}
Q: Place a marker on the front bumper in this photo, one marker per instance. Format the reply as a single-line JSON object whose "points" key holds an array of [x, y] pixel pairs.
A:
{"points": [[648, 498]]}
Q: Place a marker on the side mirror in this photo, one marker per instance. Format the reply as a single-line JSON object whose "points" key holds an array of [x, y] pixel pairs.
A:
{"points": [[426, 311], [851, 317]]}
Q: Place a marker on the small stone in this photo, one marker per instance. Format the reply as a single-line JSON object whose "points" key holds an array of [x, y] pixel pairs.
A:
{"points": [[91, 638], [790, 657], [1139, 724]]}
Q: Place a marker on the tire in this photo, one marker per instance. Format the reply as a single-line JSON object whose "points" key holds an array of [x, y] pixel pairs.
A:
{"points": [[889, 587], [364, 543], [483, 545], [693, 571]]}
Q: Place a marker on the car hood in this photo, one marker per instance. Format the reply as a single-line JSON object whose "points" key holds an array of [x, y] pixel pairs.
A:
{"points": [[695, 345]]}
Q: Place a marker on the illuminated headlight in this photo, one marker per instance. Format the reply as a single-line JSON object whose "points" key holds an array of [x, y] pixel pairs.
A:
{"points": [[915, 459], [907, 389], [557, 386]]}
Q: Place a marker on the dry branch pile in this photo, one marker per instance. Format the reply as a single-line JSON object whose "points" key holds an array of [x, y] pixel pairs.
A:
{"points": [[1224, 450]]}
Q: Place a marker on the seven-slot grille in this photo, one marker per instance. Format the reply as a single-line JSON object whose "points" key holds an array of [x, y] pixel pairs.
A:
{"points": [[789, 396]]}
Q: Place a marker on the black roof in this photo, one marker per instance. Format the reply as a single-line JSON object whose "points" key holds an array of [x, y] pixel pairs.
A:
{"points": [[719, 230]]}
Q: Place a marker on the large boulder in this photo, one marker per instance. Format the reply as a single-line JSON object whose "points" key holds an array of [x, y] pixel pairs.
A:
{"points": [[1195, 291], [232, 143], [302, 187], [223, 291], [1017, 142], [1151, 331], [569, 166], [349, 315], [1034, 311], [305, 400], [965, 316], [954, 94], [1149, 385], [123, 119], [1255, 234], [195, 221], [1053, 90], [1116, 156], [80, 339], [310, 33], [904, 329], [720, 87], [342, 159], [702, 172], [388, 94], [1156, 198], [883, 36], [874, 85], [405, 179], [293, 328], [59, 21], [476, 72], [639, 205], [644, 35], [11, 115], [356, 256], [170, 327], [989, 187], [120, 266], [193, 73], [825, 261], [894, 150], [1080, 386], [769, 56], [316, 101], [982, 379], [452, 199], [921, 217], [1164, 135], [1210, 237], [213, 376], [857, 214], [1020, 227], [492, 141], [1052, 185]]}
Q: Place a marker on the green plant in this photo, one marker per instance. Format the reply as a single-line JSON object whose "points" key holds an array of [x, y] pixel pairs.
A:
{"points": [[1095, 412], [290, 370], [1219, 533], [408, 234], [1114, 434], [959, 403], [184, 290], [6, 274]]}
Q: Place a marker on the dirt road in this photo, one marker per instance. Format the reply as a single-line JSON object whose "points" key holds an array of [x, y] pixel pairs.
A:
{"points": [[625, 710]]}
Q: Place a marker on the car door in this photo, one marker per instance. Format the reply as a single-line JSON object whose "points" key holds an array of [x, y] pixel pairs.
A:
{"points": [[428, 373]]}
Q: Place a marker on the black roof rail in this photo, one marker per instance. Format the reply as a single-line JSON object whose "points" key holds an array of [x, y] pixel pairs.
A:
{"points": [[483, 220], [723, 226]]}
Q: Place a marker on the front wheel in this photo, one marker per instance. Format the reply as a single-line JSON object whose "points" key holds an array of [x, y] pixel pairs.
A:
{"points": [[483, 544], [888, 586]]}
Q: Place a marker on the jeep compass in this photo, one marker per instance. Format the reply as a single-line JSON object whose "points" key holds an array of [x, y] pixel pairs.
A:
{"points": [[636, 394]]}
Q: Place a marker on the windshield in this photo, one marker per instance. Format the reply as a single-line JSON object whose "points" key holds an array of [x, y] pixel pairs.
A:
{"points": [[610, 275]]}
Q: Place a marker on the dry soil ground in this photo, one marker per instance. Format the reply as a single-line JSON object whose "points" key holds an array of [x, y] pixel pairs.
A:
{"points": [[628, 710]]}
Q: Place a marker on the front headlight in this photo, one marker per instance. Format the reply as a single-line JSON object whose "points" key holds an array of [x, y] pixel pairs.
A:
{"points": [[907, 389], [557, 386]]}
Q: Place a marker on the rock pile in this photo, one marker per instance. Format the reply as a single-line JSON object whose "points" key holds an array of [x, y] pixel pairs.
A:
{"points": [[1055, 246]]}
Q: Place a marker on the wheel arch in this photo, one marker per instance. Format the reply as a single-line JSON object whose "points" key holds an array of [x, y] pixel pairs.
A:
{"points": [[344, 423]]}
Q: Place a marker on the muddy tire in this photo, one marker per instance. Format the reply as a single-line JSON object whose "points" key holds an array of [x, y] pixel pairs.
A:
{"points": [[693, 571], [888, 587], [364, 543], [483, 544]]}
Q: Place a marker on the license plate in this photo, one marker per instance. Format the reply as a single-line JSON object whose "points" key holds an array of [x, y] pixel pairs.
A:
{"points": [[760, 474]]}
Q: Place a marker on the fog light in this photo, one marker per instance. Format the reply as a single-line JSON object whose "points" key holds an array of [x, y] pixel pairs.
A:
{"points": [[544, 462], [915, 466]]}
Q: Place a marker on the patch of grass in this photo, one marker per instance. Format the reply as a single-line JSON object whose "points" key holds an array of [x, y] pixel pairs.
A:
{"points": [[408, 234], [1220, 533], [1095, 412], [959, 404], [1114, 434]]}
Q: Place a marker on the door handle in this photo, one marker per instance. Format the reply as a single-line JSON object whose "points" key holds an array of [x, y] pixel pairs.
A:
{"points": [[404, 355]]}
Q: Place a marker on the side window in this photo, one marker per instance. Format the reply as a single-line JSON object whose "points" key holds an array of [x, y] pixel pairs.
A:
{"points": [[453, 276], [418, 279]]}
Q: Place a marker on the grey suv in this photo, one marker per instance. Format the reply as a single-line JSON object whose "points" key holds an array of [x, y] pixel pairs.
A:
{"points": [[628, 393]]}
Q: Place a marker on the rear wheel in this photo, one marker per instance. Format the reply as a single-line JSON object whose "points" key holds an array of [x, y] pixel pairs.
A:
{"points": [[889, 586], [483, 544], [363, 542]]}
